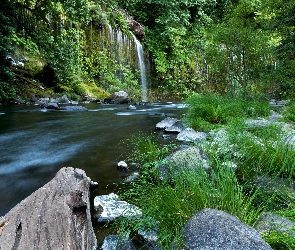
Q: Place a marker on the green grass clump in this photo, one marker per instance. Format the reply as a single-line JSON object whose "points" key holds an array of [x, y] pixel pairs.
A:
{"points": [[279, 241], [208, 111]]}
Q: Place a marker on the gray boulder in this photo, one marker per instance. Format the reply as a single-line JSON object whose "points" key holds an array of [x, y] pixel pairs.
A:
{"points": [[212, 229], [56, 216], [166, 123], [109, 207], [177, 127], [63, 100], [187, 159], [119, 97]]}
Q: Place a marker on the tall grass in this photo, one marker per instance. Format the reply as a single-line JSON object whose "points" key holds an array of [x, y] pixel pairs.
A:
{"points": [[208, 111], [172, 204]]}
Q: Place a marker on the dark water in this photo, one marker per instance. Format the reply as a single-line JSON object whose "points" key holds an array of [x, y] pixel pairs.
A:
{"points": [[35, 144]]}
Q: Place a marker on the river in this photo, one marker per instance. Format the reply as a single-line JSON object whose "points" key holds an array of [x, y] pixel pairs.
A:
{"points": [[36, 143]]}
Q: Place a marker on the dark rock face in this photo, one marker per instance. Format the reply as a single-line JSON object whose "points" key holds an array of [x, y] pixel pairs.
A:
{"points": [[56, 216], [213, 229]]}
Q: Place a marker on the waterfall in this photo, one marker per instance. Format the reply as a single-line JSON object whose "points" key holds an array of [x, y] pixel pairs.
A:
{"points": [[142, 68], [123, 50]]}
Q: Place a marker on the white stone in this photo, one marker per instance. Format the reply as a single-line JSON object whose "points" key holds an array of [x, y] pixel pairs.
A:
{"points": [[114, 208]]}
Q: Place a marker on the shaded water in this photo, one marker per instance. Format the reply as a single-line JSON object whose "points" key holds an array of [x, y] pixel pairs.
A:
{"points": [[36, 143]]}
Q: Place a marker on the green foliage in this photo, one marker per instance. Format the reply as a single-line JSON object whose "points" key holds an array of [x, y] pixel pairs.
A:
{"points": [[6, 76], [145, 149], [172, 205], [210, 110], [289, 113], [279, 241]]}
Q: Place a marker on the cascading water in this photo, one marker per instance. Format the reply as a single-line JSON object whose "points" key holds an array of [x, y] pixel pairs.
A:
{"points": [[123, 48], [141, 63]]}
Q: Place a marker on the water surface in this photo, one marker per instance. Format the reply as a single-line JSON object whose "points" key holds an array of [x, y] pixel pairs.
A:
{"points": [[36, 143]]}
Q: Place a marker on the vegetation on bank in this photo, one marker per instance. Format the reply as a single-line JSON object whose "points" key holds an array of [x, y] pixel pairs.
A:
{"points": [[251, 172], [228, 46]]}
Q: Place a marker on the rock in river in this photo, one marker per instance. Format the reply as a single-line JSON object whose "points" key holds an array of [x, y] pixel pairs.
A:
{"points": [[56, 216]]}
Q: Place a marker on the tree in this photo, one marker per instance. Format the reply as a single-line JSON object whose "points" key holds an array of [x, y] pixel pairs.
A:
{"points": [[6, 25]]}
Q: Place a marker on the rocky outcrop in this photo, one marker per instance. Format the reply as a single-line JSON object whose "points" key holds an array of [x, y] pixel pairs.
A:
{"points": [[119, 97], [56, 216], [215, 229]]}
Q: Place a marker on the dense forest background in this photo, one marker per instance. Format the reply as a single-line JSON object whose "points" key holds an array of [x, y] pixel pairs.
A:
{"points": [[227, 46]]}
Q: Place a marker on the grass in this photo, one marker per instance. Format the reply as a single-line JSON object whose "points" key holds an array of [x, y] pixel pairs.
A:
{"points": [[209, 111]]}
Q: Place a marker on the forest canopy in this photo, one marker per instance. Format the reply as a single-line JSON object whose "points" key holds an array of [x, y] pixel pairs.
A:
{"points": [[229, 46]]}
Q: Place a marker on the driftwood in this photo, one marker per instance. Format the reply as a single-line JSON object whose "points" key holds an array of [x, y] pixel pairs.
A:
{"points": [[56, 216]]}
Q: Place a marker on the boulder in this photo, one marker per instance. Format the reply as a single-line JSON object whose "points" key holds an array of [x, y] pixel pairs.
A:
{"points": [[119, 97], [215, 229], [63, 100], [190, 135], [188, 159], [131, 107], [56, 216], [122, 165], [177, 127], [166, 123], [51, 105], [109, 207], [272, 222], [117, 242]]}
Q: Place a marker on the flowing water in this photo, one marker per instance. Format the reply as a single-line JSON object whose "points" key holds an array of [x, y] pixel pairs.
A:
{"points": [[36, 143]]}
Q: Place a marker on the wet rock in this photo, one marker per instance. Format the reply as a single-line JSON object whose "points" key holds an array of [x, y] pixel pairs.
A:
{"points": [[122, 165], [177, 127], [215, 229], [56, 216], [272, 222], [166, 123], [132, 177], [166, 136], [190, 135], [117, 242], [110, 208], [131, 107], [51, 105]]}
